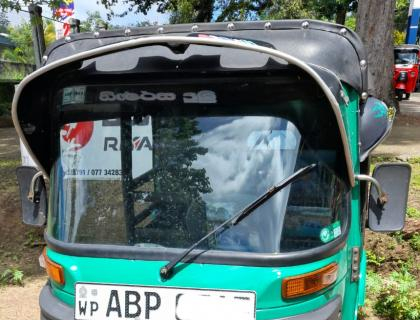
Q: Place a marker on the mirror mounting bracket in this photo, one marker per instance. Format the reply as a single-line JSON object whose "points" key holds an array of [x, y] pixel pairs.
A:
{"points": [[383, 197], [31, 193]]}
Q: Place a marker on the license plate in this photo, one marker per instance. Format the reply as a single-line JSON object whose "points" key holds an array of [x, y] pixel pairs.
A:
{"points": [[123, 302]]}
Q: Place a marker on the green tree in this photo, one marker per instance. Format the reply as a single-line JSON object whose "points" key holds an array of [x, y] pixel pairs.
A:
{"points": [[17, 5], [93, 22], [288, 9], [177, 185], [49, 32], [4, 22], [331, 10], [378, 38], [21, 36], [401, 15], [183, 11]]}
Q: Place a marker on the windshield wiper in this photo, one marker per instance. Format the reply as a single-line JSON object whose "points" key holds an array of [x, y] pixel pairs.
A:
{"points": [[166, 270]]}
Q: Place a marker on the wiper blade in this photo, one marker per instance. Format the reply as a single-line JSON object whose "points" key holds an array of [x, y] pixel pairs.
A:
{"points": [[166, 270]]}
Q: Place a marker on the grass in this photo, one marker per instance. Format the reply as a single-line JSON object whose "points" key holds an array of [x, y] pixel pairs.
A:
{"points": [[415, 167], [391, 283], [415, 241], [413, 212], [12, 276], [8, 183], [398, 298], [373, 259], [9, 163], [395, 296], [415, 172]]}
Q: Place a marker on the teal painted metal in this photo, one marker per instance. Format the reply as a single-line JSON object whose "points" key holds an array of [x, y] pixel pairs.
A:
{"points": [[268, 287], [350, 114], [362, 280]]}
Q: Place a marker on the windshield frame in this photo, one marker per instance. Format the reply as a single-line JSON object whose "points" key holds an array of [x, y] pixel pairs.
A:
{"points": [[405, 52], [212, 256]]}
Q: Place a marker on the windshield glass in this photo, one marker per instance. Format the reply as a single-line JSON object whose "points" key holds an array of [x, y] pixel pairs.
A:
{"points": [[405, 57], [160, 179]]}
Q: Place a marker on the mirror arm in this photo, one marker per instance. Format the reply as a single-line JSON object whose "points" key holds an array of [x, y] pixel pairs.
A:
{"points": [[31, 193], [383, 198]]}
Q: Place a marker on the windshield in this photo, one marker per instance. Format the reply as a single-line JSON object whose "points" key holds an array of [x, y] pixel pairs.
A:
{"points": [[164, 179], [405, 57]]}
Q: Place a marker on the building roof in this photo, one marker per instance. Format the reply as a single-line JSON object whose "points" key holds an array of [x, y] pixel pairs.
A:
{"points": [[5, 41]]}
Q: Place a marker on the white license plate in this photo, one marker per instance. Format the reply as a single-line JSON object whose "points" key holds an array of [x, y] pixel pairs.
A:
{"points": [[121, 302]]}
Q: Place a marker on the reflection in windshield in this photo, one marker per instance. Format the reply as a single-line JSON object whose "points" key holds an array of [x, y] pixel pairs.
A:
{"points": [[405, 58], [240, 171], [168, 181]]}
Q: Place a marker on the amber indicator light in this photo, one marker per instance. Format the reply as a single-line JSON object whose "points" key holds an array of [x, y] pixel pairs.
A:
{"points": [[293, 287], [54, 270]]}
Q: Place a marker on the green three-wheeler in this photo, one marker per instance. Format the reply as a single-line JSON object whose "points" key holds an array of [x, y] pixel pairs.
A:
{"points": [[209, 171]]}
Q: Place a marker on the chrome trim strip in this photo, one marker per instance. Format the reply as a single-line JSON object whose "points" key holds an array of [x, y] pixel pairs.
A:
{"points": [[154, 40]]}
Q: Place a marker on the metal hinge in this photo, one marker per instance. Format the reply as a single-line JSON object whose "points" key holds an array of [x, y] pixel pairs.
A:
{"points": [[355, 264]]}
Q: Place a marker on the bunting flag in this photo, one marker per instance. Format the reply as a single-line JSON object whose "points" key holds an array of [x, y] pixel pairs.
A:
{"points": [[63, 14]]}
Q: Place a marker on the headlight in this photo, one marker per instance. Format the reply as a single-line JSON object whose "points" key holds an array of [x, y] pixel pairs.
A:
{"points": [[402, 76]]}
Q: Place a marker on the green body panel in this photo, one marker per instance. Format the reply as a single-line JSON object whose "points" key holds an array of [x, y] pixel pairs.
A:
{"points": [[362, 280], [350, 114], [265, 281], [350, 117]]}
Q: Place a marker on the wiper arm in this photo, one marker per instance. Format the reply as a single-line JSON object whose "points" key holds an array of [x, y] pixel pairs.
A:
{"points": [[166, 270]]}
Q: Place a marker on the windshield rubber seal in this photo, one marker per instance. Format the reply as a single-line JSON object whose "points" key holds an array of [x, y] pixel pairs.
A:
{"points": [[203, 256]]}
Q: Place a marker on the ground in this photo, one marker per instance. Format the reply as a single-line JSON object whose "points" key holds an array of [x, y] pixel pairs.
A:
{"points": [[20, 246], [29, 310]]}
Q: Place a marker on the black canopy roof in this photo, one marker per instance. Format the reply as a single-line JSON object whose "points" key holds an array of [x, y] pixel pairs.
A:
{"points": [[328, 48], [328, 53]]}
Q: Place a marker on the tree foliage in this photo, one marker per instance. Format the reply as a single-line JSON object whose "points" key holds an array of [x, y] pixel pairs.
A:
{"points": [[183, 11], [332, 10], [93, 22], [49, 32], [17, 5], [285, 9], [21, 36], [4, 22], [401, 14]]}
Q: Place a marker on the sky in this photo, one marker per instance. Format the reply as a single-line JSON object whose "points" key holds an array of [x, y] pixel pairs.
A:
{"points": [[83, 6]]}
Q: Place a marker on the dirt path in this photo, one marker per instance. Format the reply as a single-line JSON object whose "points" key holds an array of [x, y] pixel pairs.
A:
{"points": [[404, 140], [21, 302], [9, 144], [17, 249]]}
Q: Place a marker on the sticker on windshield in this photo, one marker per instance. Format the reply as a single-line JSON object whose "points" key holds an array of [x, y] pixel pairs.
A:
{"points": [[74, 95], [330, 232]]}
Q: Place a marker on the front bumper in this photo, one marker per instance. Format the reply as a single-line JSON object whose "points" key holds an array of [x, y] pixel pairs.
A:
{"points": [[53, 309]]}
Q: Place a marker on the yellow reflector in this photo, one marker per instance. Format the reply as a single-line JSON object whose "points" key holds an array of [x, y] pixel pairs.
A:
{"points": [[54, 270], [308, 283]]}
